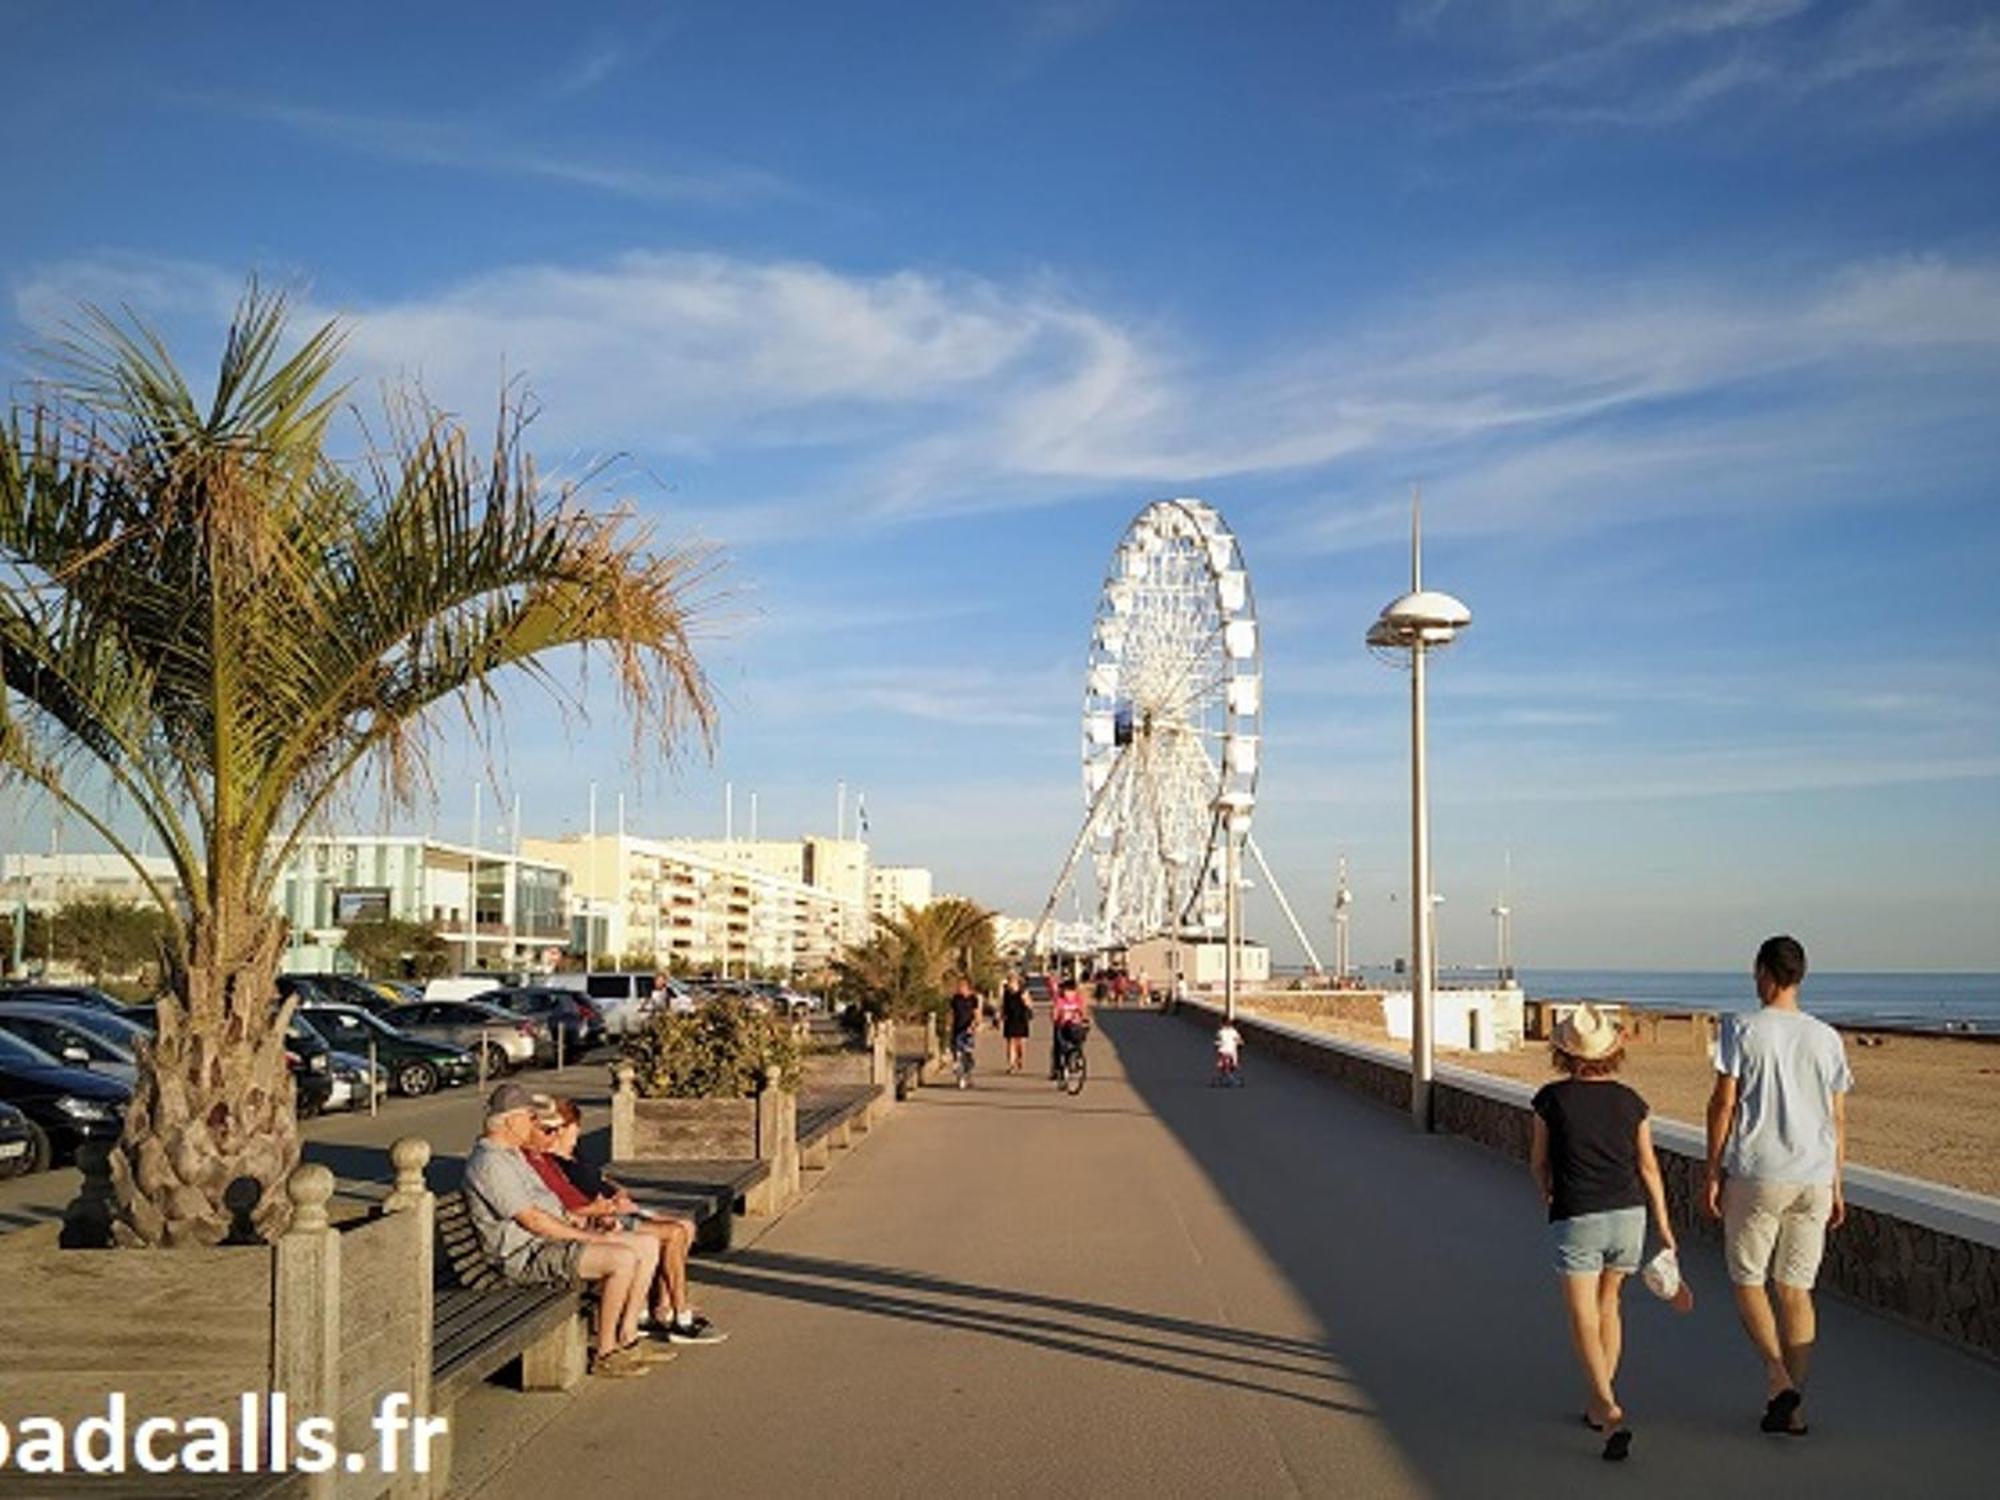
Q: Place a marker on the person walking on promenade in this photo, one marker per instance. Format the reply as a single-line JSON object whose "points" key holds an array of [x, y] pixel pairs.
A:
{"points": [[1592, 1156], [1777, 1144], [964, 1025], [1016, 1009]]}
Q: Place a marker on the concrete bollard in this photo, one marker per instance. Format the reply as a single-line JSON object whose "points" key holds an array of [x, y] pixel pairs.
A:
{"points": [[87, 1221]]}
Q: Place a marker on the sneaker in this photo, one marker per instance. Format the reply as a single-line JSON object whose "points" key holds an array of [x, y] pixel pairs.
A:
{"points": [[618, 1364], [699, 1331]]}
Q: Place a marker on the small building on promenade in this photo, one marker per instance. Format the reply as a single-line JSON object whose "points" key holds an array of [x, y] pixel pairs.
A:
{"points": [[497, 909], [1199, 960]]}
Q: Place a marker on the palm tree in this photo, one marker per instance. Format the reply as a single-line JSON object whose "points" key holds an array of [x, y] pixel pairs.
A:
{"points": [[909, 962], [224, 623]]}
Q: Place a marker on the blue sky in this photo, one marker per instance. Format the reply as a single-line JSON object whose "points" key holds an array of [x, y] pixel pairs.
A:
{"points": [[1687, 319]]}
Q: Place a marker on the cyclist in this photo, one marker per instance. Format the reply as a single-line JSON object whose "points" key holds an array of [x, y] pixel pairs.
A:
{"points": [[1069, 1017], [964, 1023]]}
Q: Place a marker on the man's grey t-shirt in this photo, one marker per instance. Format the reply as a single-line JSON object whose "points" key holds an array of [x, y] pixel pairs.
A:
{"points": [[499, 1183], [1787, 1066]]}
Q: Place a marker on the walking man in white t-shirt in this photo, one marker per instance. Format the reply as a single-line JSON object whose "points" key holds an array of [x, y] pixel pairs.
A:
{"points": [[1777, 1141]]}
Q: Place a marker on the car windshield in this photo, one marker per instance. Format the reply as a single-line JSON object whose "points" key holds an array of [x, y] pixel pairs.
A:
{"points": [[101, 1023], [339, 1019], [17, 1053]]}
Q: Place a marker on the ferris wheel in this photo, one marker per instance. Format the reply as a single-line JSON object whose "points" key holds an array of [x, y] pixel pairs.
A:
{"points": [[1172, 719]]}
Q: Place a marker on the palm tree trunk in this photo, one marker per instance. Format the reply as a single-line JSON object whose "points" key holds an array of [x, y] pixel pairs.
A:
{"points": [[213, 1101]]}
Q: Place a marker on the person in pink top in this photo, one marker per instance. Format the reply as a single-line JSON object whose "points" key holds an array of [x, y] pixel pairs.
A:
{"points": [[1069, 1016]]}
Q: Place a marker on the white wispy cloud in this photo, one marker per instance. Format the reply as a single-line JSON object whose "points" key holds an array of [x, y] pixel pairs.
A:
{"points": [[1907, 64], [490, 147], [915, 394]]}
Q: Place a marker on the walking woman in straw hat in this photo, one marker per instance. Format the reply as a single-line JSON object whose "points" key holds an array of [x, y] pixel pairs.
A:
{"points": [[1592, 1157]]}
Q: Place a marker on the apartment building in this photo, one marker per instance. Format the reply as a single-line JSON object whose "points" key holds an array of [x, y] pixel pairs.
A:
{"points": [[711, 906], [893, 889], [43, 882]]}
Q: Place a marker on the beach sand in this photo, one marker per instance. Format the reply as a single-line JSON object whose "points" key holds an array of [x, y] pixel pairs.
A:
{"points": [[1927, 1107]]}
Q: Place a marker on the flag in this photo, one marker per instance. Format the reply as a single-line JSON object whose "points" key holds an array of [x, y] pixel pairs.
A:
{"points": [[861, 811]]}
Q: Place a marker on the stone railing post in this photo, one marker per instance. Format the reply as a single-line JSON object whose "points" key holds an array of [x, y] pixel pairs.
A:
{"points": [[777, 1143], [305, 1342], [87, 1220], [412, 1201], [624, 1110]]}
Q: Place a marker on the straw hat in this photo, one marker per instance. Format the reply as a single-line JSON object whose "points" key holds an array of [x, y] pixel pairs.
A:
{"points": [[1588, 1033]]}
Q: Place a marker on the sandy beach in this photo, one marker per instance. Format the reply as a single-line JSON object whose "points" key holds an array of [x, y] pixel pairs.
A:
{"points": [[1925, 1106]]}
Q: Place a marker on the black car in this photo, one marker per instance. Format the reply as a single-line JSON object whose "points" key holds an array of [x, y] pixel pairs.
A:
{"points": [[17, 1143], [36, 993], [333, 989], [564, 1011], [307, 1056], [414, 1066], [65, 1106]]}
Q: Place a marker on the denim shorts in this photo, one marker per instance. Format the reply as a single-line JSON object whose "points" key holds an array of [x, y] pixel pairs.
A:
{"points": [[1614, 1240]]}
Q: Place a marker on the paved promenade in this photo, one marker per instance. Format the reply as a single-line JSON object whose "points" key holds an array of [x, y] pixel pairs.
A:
{"points": [[1161, 1289]]}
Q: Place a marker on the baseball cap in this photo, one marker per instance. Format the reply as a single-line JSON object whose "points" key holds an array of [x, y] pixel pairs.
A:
{"points": [[508, 1098]]}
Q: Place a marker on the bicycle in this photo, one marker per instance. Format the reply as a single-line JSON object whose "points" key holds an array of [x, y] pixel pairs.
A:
{"points": [[1071, 1068]]}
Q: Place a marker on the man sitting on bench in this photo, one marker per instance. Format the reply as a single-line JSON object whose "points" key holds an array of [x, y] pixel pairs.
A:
{"points": [[525, 1233]]}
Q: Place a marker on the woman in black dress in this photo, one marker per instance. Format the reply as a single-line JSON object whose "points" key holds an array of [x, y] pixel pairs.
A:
{"points": [[1015, 1010]]}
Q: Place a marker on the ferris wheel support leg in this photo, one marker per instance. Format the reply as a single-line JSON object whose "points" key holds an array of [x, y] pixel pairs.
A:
{"points": [[1284, 906], [1097, 805]]}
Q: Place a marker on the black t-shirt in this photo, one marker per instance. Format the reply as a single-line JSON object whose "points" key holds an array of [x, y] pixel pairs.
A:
{"points": [[588, 1180], [964, 1011], [1593, 1146]]}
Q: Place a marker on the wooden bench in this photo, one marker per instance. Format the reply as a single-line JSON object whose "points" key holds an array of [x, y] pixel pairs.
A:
{"points": [[827, 1121], [709, 1192], [481, 1322]]}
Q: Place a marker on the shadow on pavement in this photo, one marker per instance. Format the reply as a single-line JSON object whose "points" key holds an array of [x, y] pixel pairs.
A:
{"points": [[1229, 1357], [1426, 1261]]}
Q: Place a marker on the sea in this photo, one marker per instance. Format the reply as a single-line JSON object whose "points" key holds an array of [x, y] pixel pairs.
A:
{"points": [[1909, 1002], [1957, 1003]]}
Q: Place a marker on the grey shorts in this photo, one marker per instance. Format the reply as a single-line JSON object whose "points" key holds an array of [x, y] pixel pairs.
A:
{"points": [[1614, 1240], [1776, 1229], [548, 1261]]}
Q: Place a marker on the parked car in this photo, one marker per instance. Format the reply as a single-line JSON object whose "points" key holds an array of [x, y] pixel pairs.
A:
{"points": [[17, 1143], [64, 1106], [623, 998], [510, 1041], [306, 1055], [35, 992], [332, 989], [398, 991], [61, 1032], [352, 1082], [415, 1065], [564, 1011]]}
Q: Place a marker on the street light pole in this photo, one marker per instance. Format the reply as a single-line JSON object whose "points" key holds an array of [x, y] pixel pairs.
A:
{"points": [[1233, 809], [1417, 623]]}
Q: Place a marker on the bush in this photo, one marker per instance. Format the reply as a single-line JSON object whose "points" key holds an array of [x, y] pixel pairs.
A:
{"points": [[717, 1051]]}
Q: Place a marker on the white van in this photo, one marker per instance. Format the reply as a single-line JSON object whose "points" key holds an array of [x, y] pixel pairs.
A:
{"points": [[622, 997]]}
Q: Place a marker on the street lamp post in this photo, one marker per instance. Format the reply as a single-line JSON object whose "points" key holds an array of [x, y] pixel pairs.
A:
{"points": [[1233, 808], [1418, 623]]}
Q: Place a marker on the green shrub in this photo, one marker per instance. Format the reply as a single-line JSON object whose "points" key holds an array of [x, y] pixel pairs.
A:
{"points": [[720, 1050]]}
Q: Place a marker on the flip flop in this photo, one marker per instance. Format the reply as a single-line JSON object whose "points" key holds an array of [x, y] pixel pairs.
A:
{"points": [[1618, 1445], [1591, 1422], [1778, 1414]]}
